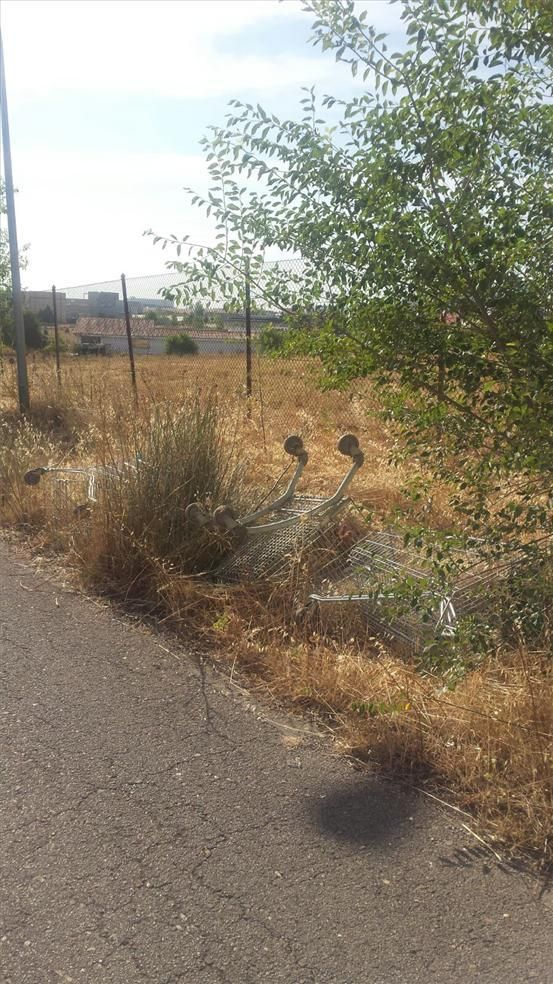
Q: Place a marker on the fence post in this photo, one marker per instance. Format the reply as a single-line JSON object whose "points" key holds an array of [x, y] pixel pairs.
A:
{"points": [[22, 380], [129, 336], [56, 336], [248, 333]]}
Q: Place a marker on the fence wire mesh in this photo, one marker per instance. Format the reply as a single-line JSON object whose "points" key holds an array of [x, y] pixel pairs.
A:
{"points": [[174, 346], [108, 346]]}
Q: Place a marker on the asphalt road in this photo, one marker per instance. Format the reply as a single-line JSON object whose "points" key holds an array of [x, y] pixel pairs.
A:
{"points": [[158, 826]]}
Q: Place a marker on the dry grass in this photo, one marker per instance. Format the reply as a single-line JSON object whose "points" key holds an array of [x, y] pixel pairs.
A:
{"points": [[96, 400], [486, 746]]}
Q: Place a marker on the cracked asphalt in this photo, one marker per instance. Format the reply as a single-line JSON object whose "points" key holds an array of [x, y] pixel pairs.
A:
{"points": [[158, 826]]}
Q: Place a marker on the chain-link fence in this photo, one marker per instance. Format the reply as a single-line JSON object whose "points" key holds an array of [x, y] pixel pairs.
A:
{"points": [[136, 339], [204, 340]]}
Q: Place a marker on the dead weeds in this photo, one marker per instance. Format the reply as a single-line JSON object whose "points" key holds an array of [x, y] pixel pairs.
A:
{"points": [[485, 746]]}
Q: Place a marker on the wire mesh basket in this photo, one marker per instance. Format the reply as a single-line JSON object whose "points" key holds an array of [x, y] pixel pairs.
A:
{"points": [[75, 490], [268, 541], [402, 597]]}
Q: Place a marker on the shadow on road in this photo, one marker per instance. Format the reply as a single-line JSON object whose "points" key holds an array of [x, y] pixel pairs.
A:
{"points": [[486, 859], [364, 813]]}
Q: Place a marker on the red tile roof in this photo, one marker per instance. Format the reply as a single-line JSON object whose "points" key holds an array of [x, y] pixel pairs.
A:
{"points": [[115, 327], [143, 328]]}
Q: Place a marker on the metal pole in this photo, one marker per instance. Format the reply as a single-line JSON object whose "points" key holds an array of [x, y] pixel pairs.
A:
{"points": [[56, 336], [248, 333], [129, 335], [22, 381]]}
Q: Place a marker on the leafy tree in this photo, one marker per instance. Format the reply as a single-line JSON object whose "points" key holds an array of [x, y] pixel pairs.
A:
{"points": [[198, 316], [6, 317], [271, 339], [46, 315], [5, 270], [159, 317], [422, 209], [181, 345], [34, 336], [6, 311], [6, 327]]}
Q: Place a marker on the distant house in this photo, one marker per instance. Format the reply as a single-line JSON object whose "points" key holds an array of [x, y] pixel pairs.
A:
{"points": [[109, 335]]}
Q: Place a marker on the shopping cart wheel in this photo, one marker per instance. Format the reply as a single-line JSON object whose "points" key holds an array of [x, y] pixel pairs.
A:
{"points": [[293, 445], [348, 445], [196, 514], [225, 517], [33, 476]]}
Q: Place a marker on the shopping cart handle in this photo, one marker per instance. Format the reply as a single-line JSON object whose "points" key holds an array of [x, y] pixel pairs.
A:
{"points": [[33, 476], [348, 445]]}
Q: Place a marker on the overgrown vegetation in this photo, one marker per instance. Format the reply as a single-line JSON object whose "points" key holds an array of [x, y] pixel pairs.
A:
{"points": [[181, 344], [421, 208], [422, 211], [181, 455], [6, 308], [475, 730], [271, 339]]}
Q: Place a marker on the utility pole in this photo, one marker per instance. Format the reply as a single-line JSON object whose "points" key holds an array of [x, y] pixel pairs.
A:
{"points": [[22, 381], [248, 334]]}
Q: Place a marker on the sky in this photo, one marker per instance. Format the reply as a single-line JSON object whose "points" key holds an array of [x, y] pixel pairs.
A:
{"points": [[108, 102]]}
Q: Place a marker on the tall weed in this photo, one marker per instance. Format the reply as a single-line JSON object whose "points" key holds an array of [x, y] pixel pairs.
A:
{"points": [[139, 532]]}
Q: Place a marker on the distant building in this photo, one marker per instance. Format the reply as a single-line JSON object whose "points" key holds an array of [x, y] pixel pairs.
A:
{"points": [[68, 308], [38, 300], [95, 304], [75, 307], [109, 335], [104, 303], [138, 305]]}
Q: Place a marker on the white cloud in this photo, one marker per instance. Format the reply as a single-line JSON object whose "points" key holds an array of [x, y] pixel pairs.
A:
{"points": [[154, 49], [166, 48], [90, 225], [84, 217], [83, 214]]}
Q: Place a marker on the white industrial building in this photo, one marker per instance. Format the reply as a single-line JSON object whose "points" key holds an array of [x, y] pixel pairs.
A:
{"points": [[110, 336]]}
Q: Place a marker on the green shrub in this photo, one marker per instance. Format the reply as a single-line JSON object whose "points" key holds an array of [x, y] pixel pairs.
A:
{"points": [[162, 317], [181, 344], [63, 344], [34, 336], [271, 339]]}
